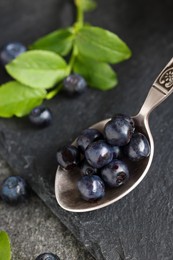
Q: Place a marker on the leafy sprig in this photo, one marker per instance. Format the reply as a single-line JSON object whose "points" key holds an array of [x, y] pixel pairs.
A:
{"points": [[39, 72], [5, 249]]}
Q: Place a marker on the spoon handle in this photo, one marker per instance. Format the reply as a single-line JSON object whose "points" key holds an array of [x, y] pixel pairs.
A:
{"points": [[160, 90]]}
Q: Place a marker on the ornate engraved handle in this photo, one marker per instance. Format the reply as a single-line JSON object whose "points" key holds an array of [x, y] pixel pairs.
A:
{"points": [[164, 82], [160, 90]]}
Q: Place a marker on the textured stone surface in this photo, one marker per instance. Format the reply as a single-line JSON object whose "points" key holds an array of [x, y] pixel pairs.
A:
{"points": [[33, 229], [139, 227]]}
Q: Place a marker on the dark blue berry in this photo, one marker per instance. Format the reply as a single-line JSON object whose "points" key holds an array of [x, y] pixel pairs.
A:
{"points": [[115, 173], [87, 169], [91, 187], [87, 137], [40, 116], [14, 189], [68, 157], [98, 154], [116, 152], [10, 51], [138, 148], [47, 256], [119, 130], [125, 117], [74, 84]]}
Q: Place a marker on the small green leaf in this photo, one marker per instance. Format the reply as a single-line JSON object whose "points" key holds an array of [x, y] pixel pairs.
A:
{"points": [[88, 5], [17, 99], [101, 45], [38, 69], [59, 41], [98, 74], [5, 250]]}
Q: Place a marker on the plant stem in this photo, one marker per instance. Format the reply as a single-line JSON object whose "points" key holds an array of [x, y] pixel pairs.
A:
{"points": [[53, 93], [80, 16], [72, 59], [80, 13], [77, 25]]}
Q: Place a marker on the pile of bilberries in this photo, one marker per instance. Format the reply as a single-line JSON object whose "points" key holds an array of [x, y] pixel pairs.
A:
{"points": [[100, 156]]}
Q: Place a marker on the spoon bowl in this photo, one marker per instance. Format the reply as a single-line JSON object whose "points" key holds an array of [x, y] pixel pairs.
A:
{"points": [[66, 191]]}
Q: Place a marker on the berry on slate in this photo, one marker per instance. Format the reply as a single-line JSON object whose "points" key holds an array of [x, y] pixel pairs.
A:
{"points": [[119, 130], [87, 137], [10, 51], [87, 169], [138, 148], [47, 256], [115, 173], [40, 116], [14, 189], [68, 157], [98, 154], [91, 188], [74, 84]]}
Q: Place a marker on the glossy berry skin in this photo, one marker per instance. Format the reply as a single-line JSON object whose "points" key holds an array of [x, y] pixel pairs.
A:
{"points": [[86, 169], [10, 51], [40, 116], [116, 152], [68, 157], [47, 256], [91, 188], [138, 148], [119, 130], [125, 117], [98, 154], [87, 137], [14, 189], [115, 173], [74, 84]]}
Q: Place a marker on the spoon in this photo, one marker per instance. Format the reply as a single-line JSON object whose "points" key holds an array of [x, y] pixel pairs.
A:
{"points": [[67, 194]]}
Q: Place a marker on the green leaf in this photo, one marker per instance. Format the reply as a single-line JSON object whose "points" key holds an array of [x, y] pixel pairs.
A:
{"points": [[38, 69], [88, 5], [101, 45], [17, 99], [5, 250], [59, 41], [98, 74]]}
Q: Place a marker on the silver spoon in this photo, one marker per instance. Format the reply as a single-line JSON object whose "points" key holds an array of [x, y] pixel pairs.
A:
{"points": [[66, 191]]}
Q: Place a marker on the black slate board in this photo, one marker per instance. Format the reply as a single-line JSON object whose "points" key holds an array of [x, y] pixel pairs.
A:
{"points": [[139, 227]]}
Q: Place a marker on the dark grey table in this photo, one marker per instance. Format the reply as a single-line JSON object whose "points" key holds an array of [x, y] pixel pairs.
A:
{"points": [[140, 226]]}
